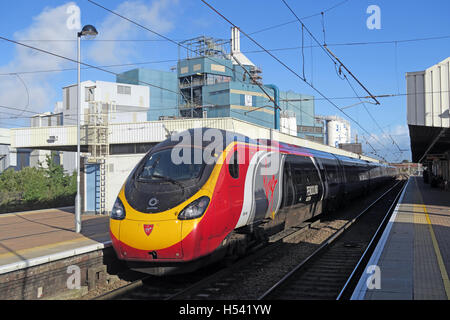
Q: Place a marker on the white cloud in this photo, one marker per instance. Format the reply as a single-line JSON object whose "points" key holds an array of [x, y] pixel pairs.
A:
{"points": [[157, 15], [49, 24]]}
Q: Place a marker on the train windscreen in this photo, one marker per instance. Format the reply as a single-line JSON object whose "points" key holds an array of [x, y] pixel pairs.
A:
{"points": [[160, 165]]}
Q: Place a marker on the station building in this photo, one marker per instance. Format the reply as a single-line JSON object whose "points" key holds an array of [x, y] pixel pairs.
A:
{"points": [[428, 119]]}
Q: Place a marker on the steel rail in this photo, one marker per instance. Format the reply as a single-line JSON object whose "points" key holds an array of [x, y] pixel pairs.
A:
{"points": [[325, 244], [255, 252], [371, 243]]}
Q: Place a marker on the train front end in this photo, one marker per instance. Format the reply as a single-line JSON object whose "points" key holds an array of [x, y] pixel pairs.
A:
{"points": [[159, 219]]}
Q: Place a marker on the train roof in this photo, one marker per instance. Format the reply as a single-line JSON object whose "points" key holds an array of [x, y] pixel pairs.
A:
{"points": [[204, 136]]}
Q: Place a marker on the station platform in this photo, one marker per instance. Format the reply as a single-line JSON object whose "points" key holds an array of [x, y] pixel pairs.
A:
{"points": [[41, 241], [33, 237], [412, 258]]}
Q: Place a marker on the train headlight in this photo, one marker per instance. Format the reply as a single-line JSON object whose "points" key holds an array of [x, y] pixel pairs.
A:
{"points": [[194, 209], [118, 211]]}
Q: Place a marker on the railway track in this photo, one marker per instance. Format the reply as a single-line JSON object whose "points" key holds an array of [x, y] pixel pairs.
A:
{"points": [[189, 285], [212, 282], [332, 270]]}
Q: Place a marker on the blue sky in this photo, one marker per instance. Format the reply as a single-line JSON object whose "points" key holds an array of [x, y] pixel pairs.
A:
{"points": [[380, 67]]}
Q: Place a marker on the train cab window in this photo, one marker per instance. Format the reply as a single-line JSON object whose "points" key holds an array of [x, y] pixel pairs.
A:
{"points": [[233, 165]]}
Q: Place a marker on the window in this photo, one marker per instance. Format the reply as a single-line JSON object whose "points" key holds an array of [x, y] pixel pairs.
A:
{"points": [[305, 179], [213, 93], [159, 166], [233, 166], [67, 99], [89, 94], [214, 79], [123, 90], [130, 148]]}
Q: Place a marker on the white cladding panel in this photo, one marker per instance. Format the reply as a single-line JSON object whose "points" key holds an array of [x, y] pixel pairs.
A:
{"points": [[428, 96], [288, 125], [136, 132], [5, 136], [69, 161], [415, 99]]}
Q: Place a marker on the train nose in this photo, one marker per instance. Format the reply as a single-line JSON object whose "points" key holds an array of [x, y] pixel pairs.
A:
{"points": [[150, 240]]}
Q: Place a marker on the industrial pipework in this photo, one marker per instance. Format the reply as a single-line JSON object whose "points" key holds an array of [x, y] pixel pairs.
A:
{"points": [[276, 98]]}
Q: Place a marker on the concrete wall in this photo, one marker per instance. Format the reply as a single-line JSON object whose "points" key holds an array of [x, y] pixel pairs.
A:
{"points": [[124, 107], [69, 161], [118, 169]]}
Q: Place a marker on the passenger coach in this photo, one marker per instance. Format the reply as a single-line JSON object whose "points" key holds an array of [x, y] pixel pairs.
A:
{"points": [[194, 201]]}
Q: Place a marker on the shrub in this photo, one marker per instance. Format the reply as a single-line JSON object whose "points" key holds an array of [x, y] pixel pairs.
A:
{"points": [[36, 188]]}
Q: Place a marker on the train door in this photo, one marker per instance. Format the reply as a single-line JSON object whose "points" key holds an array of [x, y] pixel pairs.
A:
{"points": [[288, 186], [92, 188], [236, 183], [341, 179], [230, 193], [322, 176], [267, 183]]}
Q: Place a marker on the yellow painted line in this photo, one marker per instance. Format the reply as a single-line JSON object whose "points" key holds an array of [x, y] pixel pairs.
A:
{"points": [[440, 261], [25, 213], [246, 108], [437, 251], [250, 93], [49, 246]]}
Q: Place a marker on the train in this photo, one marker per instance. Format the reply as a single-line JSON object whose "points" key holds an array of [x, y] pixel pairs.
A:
{"points": [[192, 202]]}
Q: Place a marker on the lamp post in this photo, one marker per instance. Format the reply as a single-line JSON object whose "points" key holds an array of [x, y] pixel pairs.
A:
{"points": [[88, 31]]}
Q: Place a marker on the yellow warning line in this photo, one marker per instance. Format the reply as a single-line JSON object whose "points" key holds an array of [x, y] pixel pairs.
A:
{"points": [[440, 261], [50, 246], [437, 251]]}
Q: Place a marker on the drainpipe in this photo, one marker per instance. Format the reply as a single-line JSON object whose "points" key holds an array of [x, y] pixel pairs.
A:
{"points": [[276, 97]]}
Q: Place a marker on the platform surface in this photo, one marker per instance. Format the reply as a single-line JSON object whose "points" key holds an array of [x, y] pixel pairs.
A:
{"points": [[35, 237], [412, 259]]}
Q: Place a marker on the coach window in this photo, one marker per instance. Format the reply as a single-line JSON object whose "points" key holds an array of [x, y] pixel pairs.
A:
{"points": [[233, 165]]}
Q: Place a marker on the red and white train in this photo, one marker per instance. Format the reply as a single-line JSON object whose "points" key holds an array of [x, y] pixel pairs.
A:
{"points": [[174, 217]]}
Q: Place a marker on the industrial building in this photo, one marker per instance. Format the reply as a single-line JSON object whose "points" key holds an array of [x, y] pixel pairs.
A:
{"points": [[126, 145], [120, 121], [11, 157], [213, 82], [429, 121], [163, 102], [337, 130]]}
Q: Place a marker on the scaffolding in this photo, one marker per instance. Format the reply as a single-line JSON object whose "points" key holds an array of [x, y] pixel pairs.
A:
{"points": [[97, 130], [204, 47]]}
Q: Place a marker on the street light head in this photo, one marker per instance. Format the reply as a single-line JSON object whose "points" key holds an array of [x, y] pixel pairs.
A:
{"points": [[88, 31]]}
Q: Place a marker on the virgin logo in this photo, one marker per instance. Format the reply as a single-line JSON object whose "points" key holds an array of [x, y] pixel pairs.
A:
{"points": [[269, 188], [148, 228]]}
